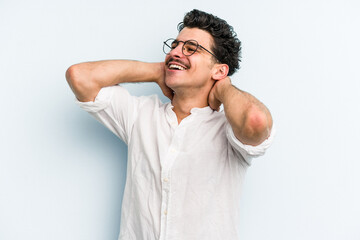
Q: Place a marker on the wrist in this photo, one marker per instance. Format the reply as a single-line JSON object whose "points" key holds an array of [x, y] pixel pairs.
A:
{"points": [[158, 71]]}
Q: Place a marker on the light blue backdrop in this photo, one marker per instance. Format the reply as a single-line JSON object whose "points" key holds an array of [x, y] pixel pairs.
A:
{"points": [[62, 174]]}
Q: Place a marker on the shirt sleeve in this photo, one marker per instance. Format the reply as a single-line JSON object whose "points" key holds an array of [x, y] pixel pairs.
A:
{"points": [[248, 151], [115, 108]]}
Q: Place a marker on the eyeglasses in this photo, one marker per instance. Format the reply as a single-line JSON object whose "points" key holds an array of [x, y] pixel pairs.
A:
{"points": [[188, 49]]}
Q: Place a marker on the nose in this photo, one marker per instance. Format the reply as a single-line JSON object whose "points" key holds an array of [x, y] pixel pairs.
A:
{"points": [[177, 51]]}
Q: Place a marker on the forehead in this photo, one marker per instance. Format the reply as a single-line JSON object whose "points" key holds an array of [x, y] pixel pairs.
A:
{"points": [[201, 36]]}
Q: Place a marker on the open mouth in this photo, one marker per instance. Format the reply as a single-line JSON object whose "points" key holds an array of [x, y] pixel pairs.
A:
{"points": [[176, 67]]}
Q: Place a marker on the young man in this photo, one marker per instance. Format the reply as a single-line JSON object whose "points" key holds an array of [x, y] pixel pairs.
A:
{"points": [[186, 161]]}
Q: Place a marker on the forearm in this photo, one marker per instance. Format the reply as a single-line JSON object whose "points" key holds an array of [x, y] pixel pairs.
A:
{"points": [[250, 120], [86, 79]]}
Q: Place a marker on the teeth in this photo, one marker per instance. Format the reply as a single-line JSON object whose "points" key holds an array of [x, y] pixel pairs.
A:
{"points": [[173, 66]]}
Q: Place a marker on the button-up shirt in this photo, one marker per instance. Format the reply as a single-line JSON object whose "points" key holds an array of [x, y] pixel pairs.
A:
{"points": [[183, 180]]}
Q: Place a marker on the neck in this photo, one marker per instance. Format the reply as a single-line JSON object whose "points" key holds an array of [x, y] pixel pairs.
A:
{"points": [[183, 103]]}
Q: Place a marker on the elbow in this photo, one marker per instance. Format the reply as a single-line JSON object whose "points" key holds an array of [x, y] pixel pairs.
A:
{"points": [[257, 126], [73, 75], [80, 82]]}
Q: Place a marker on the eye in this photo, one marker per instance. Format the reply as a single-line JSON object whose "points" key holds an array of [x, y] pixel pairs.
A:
{"points": [[174, 44], [190, 47]]}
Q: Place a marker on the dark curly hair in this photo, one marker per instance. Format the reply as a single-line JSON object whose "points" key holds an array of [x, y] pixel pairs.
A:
{"points": [[226, 47]]}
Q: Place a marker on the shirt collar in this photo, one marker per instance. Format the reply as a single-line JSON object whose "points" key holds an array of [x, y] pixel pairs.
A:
{"points": [[204, 110], [195, 111]]}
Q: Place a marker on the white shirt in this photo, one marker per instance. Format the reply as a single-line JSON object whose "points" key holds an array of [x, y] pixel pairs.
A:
{"points": [[183, 180]]}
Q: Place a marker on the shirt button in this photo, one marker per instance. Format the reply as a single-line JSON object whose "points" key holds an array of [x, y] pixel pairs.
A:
{"points": [[166, 179], [165, 212], [173, 150]]}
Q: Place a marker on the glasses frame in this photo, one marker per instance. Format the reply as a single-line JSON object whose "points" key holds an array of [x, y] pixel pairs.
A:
{"points": [[182, 49]]}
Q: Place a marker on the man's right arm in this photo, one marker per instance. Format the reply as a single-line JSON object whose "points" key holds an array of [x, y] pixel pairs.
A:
{"points": [[86, 79]]}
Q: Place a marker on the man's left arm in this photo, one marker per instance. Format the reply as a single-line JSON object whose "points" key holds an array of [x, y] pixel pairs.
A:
{"points": [[250, 120]]}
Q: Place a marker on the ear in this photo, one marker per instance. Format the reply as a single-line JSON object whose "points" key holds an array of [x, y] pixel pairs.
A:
{"points": [[220, 71]]}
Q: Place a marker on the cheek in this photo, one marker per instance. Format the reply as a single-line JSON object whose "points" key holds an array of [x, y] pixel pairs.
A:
{"points": [[167, 56]]}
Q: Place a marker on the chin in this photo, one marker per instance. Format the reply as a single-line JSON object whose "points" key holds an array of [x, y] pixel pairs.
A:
{"points": [[172, 81]]}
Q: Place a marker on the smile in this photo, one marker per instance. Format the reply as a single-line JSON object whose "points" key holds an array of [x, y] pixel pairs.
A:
{"points": [[176, 67]]}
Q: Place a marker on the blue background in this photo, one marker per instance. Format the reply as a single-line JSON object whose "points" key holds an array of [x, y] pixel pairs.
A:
{"points": [[62, 174]]}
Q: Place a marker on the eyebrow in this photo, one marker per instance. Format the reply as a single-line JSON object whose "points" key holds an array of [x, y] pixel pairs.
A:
{"points": [[192, 43], [177, 41]]}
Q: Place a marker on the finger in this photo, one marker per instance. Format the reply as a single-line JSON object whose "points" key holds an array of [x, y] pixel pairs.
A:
{"points": [[168, 93], [216, 105]]}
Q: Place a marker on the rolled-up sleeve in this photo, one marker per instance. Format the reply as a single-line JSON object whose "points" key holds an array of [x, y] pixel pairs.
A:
{"points": [[115, 108], [248, 151]]}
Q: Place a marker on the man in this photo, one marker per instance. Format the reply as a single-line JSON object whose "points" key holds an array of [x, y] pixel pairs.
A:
{"points": [[186, 161]]}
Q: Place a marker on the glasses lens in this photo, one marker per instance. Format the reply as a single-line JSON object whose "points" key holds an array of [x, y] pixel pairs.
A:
{"points": [[169, 45], [190, 47]]}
